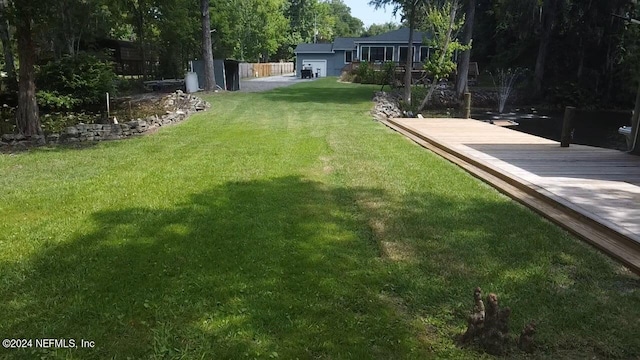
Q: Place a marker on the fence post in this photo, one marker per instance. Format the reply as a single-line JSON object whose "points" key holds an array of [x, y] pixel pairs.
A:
{"points": [[467, 105], [567, 126]]}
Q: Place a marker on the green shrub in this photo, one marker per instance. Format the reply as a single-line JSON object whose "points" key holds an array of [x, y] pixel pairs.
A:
{"points": [[367, 74], [388, 74], [74, 81], [51, 100]]}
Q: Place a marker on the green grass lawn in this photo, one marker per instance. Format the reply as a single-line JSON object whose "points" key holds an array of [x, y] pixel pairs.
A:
{"points": [[286, 224]]}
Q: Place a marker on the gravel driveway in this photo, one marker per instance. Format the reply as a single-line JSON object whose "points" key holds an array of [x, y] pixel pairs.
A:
{"points": [[268, 83]]}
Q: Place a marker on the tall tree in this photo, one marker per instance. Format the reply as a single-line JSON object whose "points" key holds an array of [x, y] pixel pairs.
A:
{"points": [[179, 36], [411, 11], [207, 50], [7, 48], [345, 25], [251, 30], [301, 15], [465, 57], [71, 23], [139, 10], [377, 29], [27, 115], [548, 20]]}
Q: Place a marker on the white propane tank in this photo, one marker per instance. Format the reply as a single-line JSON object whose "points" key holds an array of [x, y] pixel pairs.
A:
{"points": [[191, 82]]}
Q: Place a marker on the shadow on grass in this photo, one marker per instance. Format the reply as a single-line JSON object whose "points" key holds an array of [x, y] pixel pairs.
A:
{"points": [[23, 148], [248, 268], [284, 267]]}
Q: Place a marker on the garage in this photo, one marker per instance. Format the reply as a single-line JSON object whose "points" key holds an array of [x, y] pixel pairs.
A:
{"points": [[318, 67]]}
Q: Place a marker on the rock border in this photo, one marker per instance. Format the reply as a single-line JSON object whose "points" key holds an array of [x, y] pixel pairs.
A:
{"points": [[182, 105], [387, 105]]}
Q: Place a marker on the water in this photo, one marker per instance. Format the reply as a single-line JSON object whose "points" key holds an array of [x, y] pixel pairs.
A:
{"points": [[506, 79], [594, 128]]}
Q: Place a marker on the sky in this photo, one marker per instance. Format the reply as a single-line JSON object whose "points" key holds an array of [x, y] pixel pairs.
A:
{"points": [[363, 11]]}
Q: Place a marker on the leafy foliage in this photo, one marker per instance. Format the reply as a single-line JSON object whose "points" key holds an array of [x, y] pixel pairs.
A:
{"points": [[73, 81], [366, 73], [345, 25], [444, 23], [53, 100], [250, 30], [377, 29], [443, 42], [326, 19]]}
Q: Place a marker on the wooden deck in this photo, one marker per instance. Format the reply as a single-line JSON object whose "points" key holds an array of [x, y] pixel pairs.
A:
{"points": [[592, 192]]}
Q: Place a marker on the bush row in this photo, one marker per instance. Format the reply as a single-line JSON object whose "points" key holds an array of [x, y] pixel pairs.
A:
{"points": [[366, 73]]}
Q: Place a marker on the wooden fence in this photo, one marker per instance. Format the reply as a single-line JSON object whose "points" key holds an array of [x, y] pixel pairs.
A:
{"points": [[248, 70]]}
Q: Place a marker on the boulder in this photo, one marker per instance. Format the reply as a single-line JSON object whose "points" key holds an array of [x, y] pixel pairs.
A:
{"points": [[53, 138], [71, 131]]}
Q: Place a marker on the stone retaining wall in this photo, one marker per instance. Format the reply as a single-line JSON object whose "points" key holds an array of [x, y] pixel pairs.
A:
{"points": [[179, 106]]}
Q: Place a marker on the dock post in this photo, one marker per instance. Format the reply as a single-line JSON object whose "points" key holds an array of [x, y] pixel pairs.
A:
{"points": [[467, 105], [567, 126]]}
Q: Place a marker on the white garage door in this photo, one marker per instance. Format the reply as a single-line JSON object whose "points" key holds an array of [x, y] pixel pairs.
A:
{"points": [[318, 66]]}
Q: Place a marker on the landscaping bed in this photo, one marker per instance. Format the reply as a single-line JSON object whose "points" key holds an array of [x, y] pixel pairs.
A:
{"points": [[129, 116]]}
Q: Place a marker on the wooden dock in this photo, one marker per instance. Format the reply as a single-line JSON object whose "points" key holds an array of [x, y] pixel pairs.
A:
{"points": [[592, 192]]}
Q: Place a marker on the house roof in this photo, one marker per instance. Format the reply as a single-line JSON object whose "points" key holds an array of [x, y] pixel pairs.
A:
{"points": [[343, 43], [396, 36], [314, 48]]}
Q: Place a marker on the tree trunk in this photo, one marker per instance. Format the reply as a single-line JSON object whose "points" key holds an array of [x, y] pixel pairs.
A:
{"points": [[27, 119], [548, 19], [143, 52], [465, 58], [9, 63], [409, 63], [207, 51], [139, 8]]}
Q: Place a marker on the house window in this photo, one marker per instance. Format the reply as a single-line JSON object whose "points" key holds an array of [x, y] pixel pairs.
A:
{"points": [[424, 53], [388, 53], [377, 53], [364, 53], [403, 53], [348, 56]]}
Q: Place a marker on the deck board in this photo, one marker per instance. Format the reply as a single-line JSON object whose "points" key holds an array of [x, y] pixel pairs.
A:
{"points": [[601, 184]]}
